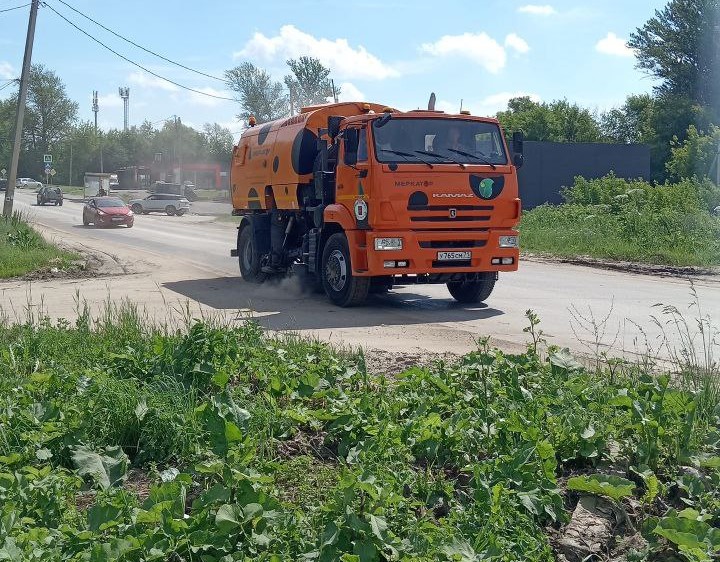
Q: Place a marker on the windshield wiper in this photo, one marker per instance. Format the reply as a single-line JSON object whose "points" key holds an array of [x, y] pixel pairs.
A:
{"points": [[482, 159], [443, 156], [406, 155]]}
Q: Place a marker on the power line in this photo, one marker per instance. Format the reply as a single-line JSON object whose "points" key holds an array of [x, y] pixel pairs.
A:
{"points": [[133, 62], [13, 81], [143, 48], [15, 8]]}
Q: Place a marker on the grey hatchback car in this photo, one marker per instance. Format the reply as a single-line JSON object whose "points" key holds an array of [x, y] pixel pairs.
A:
{"points": [[161, 202]]}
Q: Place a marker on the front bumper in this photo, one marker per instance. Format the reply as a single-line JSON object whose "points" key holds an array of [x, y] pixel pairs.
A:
{"points": [[420, 252]]}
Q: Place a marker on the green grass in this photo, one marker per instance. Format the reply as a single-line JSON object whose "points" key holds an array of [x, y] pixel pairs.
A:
{"points": [[615, 219], [281, 448], [23, 251]]}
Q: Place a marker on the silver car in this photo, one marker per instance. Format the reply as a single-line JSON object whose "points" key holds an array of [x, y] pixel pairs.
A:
{"points": [[28, 182], [161, 202]]}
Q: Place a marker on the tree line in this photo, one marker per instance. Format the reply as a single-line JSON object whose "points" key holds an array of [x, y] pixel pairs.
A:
{"points": [[679, 120]]}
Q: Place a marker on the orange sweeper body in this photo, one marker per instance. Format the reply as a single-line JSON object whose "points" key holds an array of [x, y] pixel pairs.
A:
{"points": [[356, 198]]}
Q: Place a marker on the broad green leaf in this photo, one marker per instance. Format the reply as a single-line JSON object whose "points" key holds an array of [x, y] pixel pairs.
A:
{"points": [[141, 410], [227, 519], [378, 526], [613, 487], [99, 515], [366, 550], [588, 433], [106, 470], [564, 361], [43, 454]]}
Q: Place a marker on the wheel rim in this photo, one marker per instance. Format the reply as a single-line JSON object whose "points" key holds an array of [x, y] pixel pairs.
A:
{"points": [[336, 270], [247, 255]]}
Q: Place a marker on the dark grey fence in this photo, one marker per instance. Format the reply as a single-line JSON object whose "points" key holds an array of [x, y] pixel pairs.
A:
{"points": [[549, 166]]}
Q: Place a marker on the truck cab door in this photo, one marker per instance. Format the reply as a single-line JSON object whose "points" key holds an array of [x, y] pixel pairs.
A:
{"points": [[353, 166]]}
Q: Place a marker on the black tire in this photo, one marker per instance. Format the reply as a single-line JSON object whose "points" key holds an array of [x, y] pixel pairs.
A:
{"points": [[169, 210], [137, 208], [380, 285], [86, 222], [469, 292], [180, 212], [248, 258], [341, 286], [39, 202]]}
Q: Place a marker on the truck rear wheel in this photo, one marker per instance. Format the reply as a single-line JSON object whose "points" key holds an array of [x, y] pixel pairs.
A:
{"points": [[473, 291], [248, 257], [343, 288]]}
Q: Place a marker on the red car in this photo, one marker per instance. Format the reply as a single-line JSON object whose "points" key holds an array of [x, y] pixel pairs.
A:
{"points": [[107, 211]]}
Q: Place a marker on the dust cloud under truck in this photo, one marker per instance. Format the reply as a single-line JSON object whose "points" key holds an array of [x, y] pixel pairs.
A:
{"points": [[358, 197]]}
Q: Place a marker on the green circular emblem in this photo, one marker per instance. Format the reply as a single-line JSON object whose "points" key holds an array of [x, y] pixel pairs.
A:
{"points": [[486, 188]]}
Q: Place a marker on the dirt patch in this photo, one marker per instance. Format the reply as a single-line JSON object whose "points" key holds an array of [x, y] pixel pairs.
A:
{"points": [[308, 444], [93, 263], [629, 267], [379, 361], [139, 483]]}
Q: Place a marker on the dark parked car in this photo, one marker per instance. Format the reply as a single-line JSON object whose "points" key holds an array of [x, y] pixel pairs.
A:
{"points": [[107, 211], [50, 194], [3, 184]]}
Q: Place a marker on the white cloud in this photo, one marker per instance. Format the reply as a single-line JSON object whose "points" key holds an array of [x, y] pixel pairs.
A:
{"points": [[150, 82], [611, 44], [109, 100], [7, 71], [348, 92], [209, 101], [344, 60], [488, 105], [536, 10], [478, 47], [514, 41]]}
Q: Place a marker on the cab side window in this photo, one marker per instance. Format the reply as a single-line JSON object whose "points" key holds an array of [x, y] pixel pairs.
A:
{"points": [[362, 153]]}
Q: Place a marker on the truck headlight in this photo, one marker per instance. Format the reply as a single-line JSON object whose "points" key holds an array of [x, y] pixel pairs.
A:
{"points": [[508, 241], [388, 244]]}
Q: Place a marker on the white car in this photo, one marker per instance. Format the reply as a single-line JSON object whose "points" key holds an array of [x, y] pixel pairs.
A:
{"points": [[28, 182], [161, 202]]}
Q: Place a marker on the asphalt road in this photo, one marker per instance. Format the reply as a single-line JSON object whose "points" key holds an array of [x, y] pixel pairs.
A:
{"points": [[583, 308]]}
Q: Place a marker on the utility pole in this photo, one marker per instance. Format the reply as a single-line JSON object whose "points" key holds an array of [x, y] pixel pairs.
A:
{"points": [[10, 193]]}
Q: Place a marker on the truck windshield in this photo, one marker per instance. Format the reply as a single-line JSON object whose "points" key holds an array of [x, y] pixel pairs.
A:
{"points": [[452, 140]]}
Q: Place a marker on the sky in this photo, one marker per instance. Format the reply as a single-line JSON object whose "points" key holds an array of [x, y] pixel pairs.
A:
{"points": [[479, 53]]}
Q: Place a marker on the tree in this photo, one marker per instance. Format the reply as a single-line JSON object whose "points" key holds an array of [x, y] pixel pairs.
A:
{"points": [[258, 94], [219, 142], [631, 123], [558, 121], [50, 113], [681, 47], [696, 155], [309, 83]]}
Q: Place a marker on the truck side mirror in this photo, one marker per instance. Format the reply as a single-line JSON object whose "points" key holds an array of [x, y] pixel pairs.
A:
{"points": [[351, 137], [333, 125], [518, 139]]}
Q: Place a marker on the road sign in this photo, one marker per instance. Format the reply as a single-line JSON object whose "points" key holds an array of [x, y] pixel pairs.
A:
{"points": [[47, 158], [53, 172], [47, 168], [3, 171]]}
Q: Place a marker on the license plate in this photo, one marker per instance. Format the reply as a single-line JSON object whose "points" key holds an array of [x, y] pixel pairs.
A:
{"points": [[453, 256], [118, 218]]}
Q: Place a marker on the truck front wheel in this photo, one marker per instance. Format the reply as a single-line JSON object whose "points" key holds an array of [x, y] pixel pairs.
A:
{"points": [[343, 288], [248, 257], [473, 291]]}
